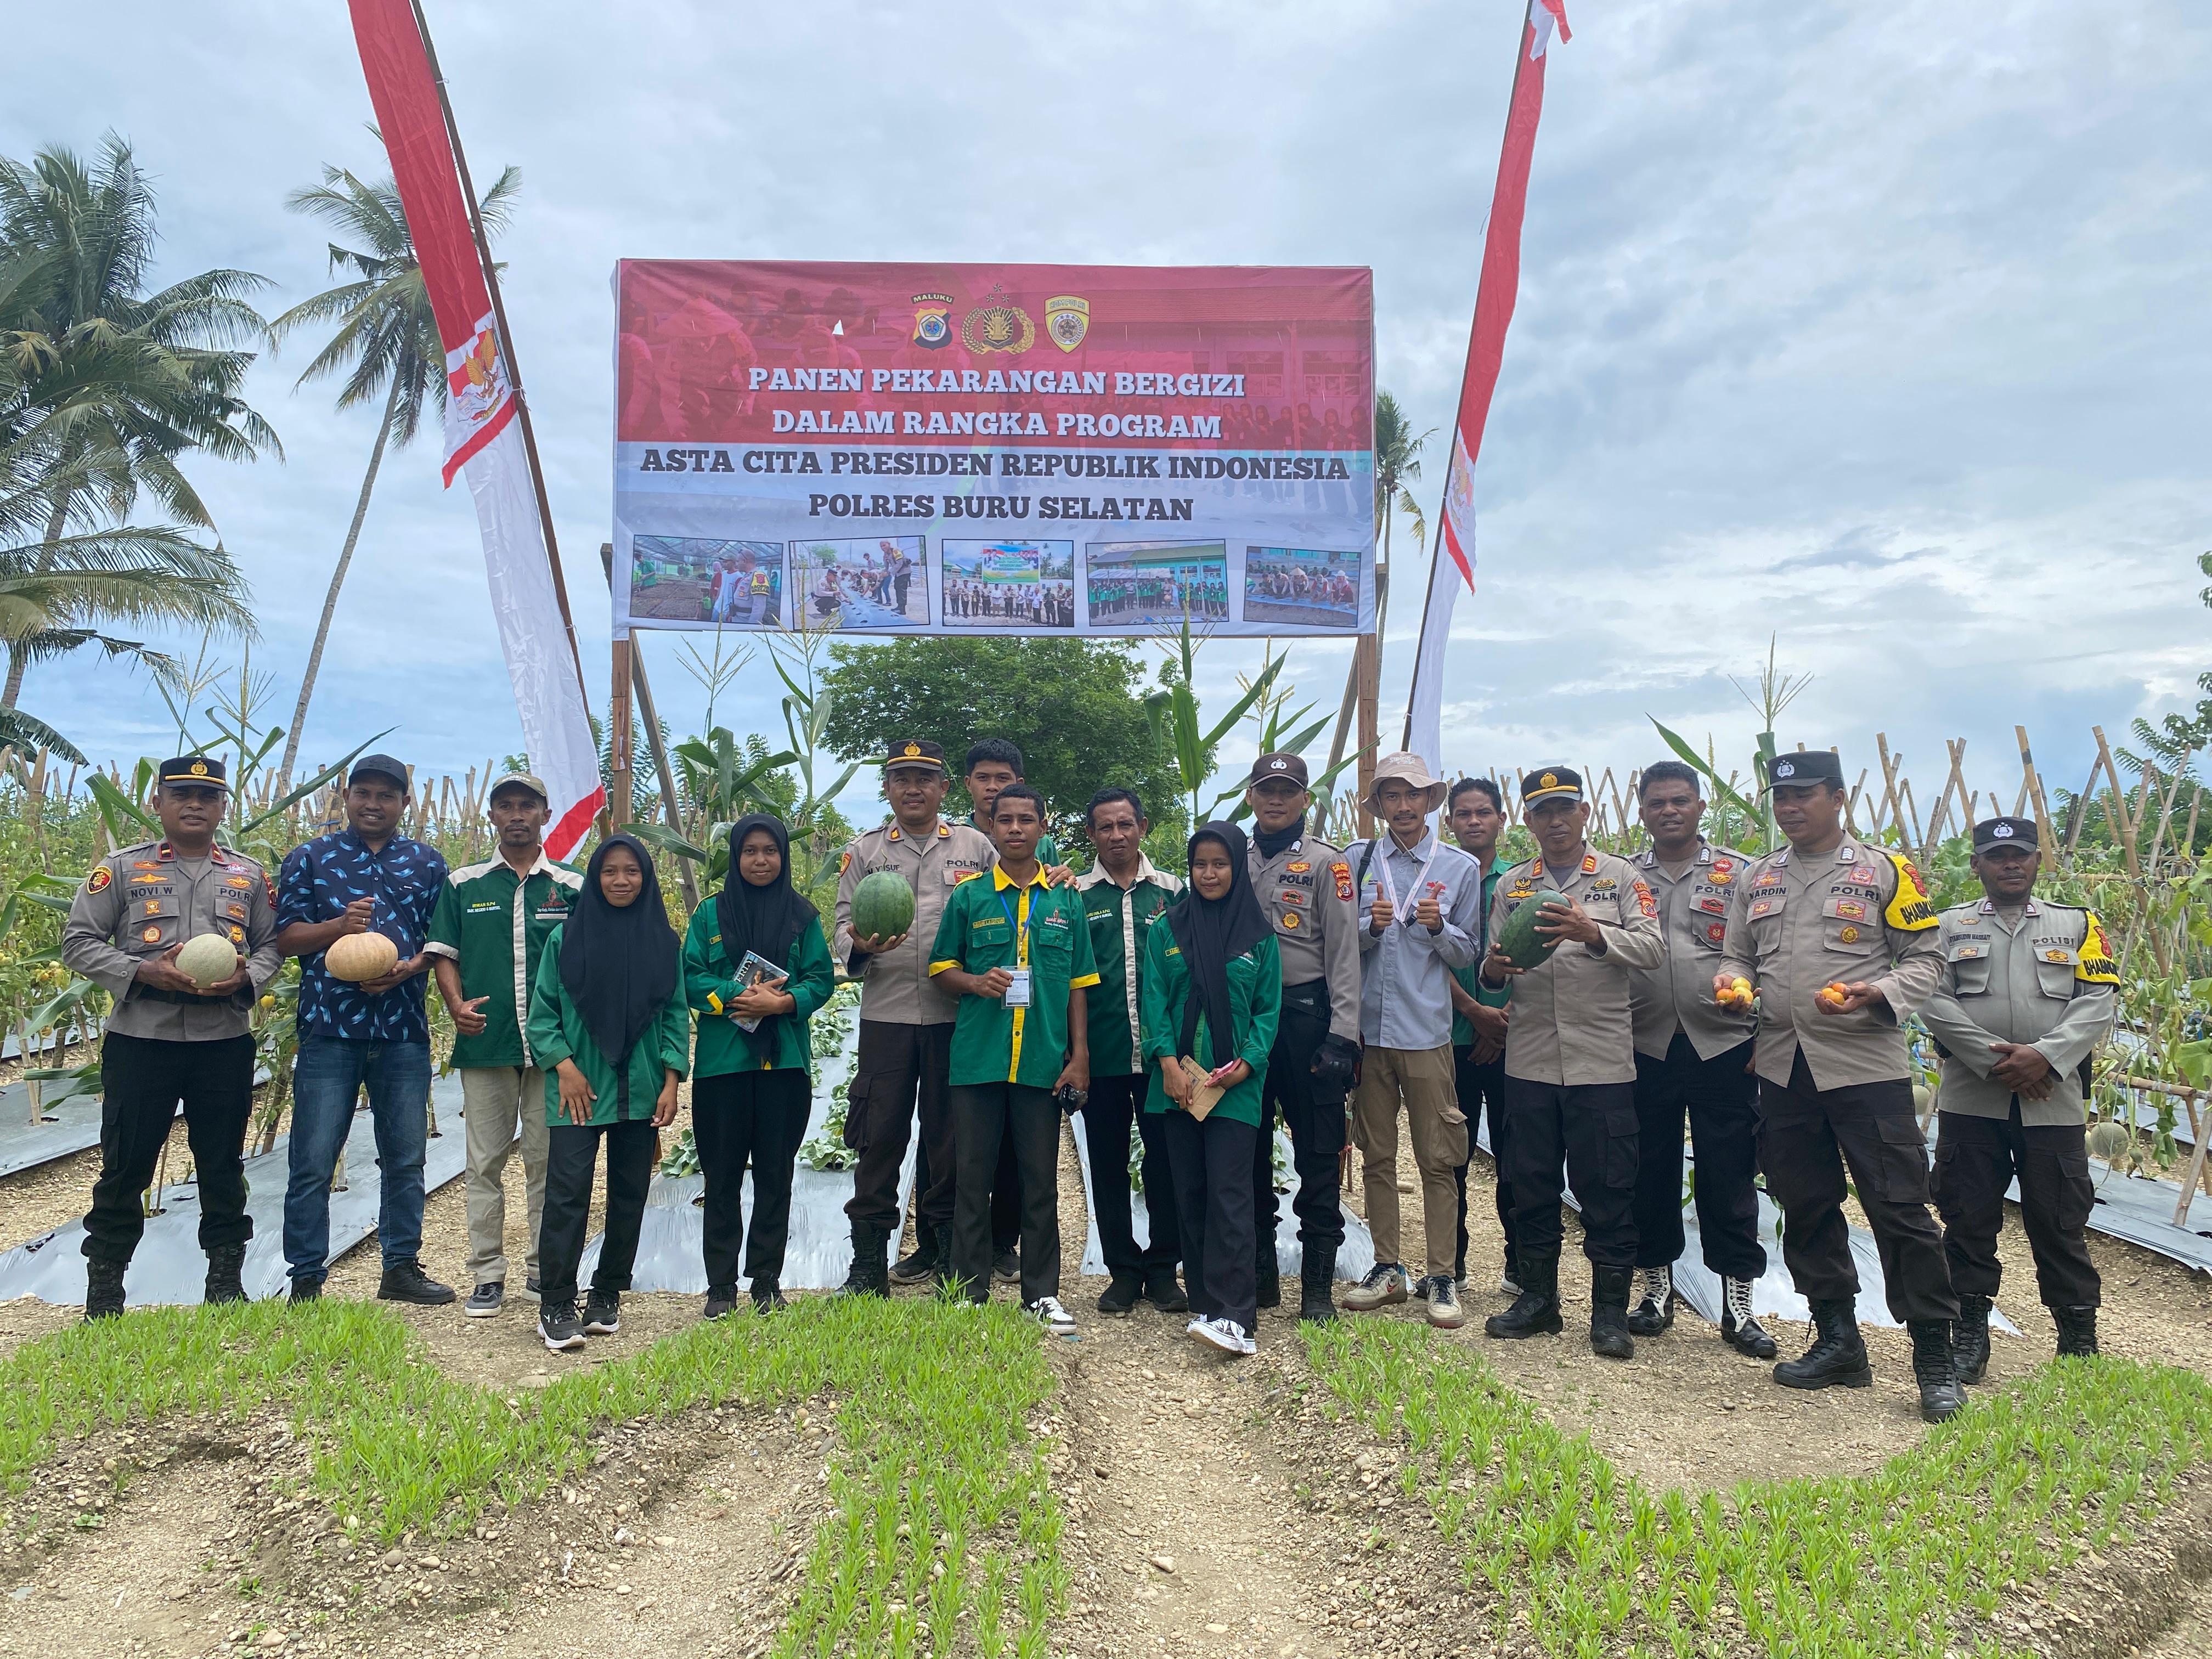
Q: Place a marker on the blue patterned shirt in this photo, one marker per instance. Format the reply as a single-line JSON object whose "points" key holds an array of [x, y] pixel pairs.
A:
{"points": [[318, 879]]}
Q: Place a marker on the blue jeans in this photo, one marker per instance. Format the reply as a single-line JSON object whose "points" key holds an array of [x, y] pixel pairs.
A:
{"points": [[326, 1082]]}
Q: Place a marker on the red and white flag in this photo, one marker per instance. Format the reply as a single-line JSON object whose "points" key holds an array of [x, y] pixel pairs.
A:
{"points": [[483, 440], [1494, 298]]}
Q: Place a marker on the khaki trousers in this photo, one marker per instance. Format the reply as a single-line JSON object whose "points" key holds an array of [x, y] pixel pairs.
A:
{"points": [[494, 1099], [1422, 1079]]}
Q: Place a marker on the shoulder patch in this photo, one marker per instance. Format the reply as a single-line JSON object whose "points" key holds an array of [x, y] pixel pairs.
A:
{"points": [[1909, 910], [1644, 901], [844, 860], [2096, 966], [99, 880]]}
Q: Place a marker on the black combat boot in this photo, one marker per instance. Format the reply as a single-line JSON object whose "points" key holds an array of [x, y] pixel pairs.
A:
{"points": [[1270, 1276], [867, 1276], [2077, 1330], [1162, 1291], [1738, 1328], [1609, 1337], [1970, 1340], [1941, 1396], [1655, 1311], [1317, 1284], [1535, 1311], [224, 1282], [1837, 1357], [103, 1289]]}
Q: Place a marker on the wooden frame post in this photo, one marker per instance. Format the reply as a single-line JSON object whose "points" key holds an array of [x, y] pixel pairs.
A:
{"points": [[618, 756], [1367, 664]]}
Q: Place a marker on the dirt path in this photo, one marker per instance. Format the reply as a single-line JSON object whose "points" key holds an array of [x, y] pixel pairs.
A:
{"points": [[1183, 1537]]}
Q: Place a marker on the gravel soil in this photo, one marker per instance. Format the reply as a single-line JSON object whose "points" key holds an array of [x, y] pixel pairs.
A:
{"points": [[1212, 1507]]}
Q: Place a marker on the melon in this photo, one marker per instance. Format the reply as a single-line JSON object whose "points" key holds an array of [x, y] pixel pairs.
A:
{"points": [[208, 960], [362, 957], [1524, 947], [882, 905]]}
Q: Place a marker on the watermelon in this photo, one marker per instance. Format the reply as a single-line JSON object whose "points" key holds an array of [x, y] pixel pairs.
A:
{"points": [[882, 905], [1524, 947]]}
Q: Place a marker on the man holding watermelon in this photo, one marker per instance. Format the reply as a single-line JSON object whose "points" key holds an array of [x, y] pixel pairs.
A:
{"points": [[906, 1021], [1567, 930], [173, 1038], [1839, 945]]}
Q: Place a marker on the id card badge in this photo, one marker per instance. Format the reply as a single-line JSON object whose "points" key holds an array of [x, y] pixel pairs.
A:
{"points": [[1018, 989]]}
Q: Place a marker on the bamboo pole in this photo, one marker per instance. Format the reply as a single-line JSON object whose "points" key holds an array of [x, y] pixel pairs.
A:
{"points": [[2031, 786], [2122, 827]]}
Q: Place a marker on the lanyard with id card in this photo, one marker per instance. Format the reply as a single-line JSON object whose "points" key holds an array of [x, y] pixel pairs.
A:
{"points": [[1018, 989]]}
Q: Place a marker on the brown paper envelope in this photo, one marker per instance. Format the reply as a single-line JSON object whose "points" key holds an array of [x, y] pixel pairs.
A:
{"points": [[1205, 1096]]}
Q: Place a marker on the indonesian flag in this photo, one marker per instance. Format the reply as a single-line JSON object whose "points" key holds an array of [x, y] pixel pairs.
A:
{"points": [[1485, 349], [482, 439]]}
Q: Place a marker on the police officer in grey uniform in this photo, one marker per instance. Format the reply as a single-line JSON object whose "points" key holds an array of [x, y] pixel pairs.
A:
{"points": [[905, 1053], [1838, 942], [1305, 886], [2028, 992], [168, 1040]]}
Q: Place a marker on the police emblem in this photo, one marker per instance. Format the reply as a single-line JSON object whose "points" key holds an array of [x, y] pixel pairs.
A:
{"points": [[2054, 956], [1067, 320], [238, 936], [1342, 872], [931, 328], [1716, 931], [2002, 832], [1291, 920], [1299, 867], [1785, 768], [1849, 936], [998, 327], [100, 878], [1723, 873], [150, 936]]}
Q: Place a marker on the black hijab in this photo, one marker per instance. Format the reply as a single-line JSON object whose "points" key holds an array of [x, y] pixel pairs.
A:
{"points": [[618, 963], [1212, 933], [765, 920]]}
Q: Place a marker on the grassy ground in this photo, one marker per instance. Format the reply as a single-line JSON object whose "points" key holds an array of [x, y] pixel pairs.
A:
{"points": [[944, 1532], [1589, 1562]]}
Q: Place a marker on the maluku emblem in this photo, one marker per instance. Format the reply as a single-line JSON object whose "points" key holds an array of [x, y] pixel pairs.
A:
{"points": [[1067, 320], [930, 327]]}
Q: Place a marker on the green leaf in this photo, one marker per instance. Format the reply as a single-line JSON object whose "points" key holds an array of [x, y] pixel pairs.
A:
{"points": [[119, 811], [1721, 790], [312, 784], [667, 840]]}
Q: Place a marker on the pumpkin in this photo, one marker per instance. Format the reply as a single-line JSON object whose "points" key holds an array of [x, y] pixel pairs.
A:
{"points": [[882, 905], [362, 957], [208, 960], [1524, 947]]}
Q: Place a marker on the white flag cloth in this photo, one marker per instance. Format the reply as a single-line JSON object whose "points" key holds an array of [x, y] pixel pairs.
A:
{"points": [[555, 731], [1424, 714]]}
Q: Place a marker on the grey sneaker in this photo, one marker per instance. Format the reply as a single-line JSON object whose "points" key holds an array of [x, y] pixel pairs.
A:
{"points": [[486, 1300], [1385, 1284], [1444, 1312], [1223, 1335], [559, 1328]]}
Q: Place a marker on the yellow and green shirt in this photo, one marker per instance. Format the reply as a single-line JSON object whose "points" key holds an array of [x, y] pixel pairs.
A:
{"points": [[710, 984], [998, 924]]}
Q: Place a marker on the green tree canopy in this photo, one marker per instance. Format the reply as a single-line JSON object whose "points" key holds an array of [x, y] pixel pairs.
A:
{"points": [[1073, 706]]}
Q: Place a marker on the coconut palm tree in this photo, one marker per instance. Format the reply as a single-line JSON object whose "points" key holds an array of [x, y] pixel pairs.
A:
{"points": [[1397, 467], [386, 344], [103, 386]]}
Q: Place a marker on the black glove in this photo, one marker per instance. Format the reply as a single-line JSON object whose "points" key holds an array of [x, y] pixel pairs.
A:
{"points": [[1335, 1063]]}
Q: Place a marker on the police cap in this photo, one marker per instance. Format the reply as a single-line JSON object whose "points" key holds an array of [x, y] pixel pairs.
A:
{"points": [[1551, 783], [1292, 769], [915, 751], [1993, 832], [1806, 766], [202, 769]]}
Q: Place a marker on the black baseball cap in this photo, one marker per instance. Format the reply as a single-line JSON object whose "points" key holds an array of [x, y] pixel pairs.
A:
{"points": [[1993, 832], [1553, 783], [379, 766], [205, 770], [1806, 766], [1290, 768]]}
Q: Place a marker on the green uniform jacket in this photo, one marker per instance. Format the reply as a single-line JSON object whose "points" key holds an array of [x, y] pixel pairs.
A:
{"points": [[557, 1033], [710, 981], [989, 923], [495, 925], [1255, 1007], [1470, 977]]}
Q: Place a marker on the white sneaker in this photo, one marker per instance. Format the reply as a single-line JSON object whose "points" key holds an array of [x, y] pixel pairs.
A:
{"points": [[1048, 1312], [1225, 1334]]}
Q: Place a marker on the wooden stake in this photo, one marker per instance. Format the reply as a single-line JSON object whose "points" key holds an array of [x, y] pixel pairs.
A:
{"points": [[2122, 825], [1367, 661], [618, 755]]}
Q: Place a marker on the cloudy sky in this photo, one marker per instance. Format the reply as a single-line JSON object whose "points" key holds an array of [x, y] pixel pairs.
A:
{"points": [[1881, 331]]}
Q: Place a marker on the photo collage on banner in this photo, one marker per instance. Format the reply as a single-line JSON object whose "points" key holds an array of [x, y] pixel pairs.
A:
{"points": [[1010, 449]]}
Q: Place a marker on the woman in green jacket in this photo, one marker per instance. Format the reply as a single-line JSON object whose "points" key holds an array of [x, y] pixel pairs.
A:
{"points": [[752, 1090], [608, 1023], [1212, 992]]}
